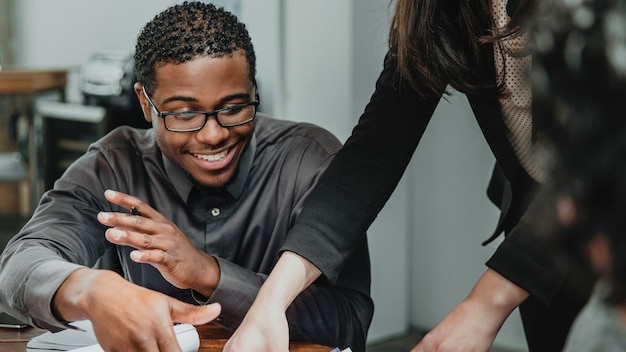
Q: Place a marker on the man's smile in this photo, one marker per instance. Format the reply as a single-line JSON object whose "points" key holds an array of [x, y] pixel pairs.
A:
{"points": [[212, 157]]}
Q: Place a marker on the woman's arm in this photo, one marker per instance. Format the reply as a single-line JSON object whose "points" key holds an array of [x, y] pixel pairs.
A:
{"points": [[265, 326], [475, 322], [336, 215]]}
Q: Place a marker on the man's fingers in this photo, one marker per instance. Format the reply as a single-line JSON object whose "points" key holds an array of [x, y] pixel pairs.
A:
{"points": [[167, 341], [195, 315], [154, 256], [130, 238], [135, 206], [124, 200], [122, 220]]}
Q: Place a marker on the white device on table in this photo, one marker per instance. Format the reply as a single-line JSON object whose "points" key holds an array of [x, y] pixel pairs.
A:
{"points": [[84, 340]]}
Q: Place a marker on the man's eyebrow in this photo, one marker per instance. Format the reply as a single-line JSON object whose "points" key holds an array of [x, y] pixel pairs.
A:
{"points": [[224, 100], [179, 98]]}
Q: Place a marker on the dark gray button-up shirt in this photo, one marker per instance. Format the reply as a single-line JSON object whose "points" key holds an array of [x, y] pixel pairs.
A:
{"points": [[243, 228]]}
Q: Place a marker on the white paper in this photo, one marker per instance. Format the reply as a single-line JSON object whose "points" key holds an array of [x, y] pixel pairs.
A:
{"points": [[85, 340]]}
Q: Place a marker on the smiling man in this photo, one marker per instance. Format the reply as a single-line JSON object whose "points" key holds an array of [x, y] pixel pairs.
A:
{"points": [[196, 208]]}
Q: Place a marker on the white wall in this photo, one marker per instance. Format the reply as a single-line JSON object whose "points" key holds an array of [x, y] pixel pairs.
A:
{"points": [[318, 54], [63, 33], [265, 32]]}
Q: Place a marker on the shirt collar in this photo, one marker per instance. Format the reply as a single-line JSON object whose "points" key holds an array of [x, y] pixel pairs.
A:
{"points": [[183, 184]]}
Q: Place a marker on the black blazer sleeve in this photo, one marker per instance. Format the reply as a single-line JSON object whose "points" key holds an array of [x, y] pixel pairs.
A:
{"points": [[362, 176], [527, 256]]}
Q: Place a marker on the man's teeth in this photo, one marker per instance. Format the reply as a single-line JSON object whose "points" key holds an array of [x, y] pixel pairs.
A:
{"points": [[212, 157]]}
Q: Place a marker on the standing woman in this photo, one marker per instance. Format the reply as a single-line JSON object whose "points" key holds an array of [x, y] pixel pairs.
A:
{"points": [[477, 48]]}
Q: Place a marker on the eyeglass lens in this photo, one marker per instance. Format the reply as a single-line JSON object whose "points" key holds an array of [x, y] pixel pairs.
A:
{"points": [[230, 116]]}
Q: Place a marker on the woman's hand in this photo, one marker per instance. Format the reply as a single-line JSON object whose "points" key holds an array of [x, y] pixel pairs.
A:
{"points": [[474, 324], [265, 327]]}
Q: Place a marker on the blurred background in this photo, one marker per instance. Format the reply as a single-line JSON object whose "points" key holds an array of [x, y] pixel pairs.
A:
{"points": [[317, 62]]}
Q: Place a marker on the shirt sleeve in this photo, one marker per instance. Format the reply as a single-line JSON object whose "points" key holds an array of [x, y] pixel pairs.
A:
{"points": [[27, 280], [529, 256], [62, 236]]}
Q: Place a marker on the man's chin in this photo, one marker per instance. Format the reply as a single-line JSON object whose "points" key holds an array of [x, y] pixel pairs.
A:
{"points": [[209, 184], [214, 182], [204, 179], [213, 185]]}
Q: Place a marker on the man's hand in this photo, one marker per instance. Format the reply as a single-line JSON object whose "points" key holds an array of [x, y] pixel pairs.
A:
{"points": [[474, 324], [161, 243], [126, 317]]}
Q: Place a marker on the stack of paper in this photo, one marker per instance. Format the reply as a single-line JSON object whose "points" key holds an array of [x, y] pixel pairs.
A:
{"points": [[84, 340]]}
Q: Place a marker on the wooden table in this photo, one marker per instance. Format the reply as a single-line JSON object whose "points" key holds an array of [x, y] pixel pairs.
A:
{"points": [[212, 339], [18, 81]]}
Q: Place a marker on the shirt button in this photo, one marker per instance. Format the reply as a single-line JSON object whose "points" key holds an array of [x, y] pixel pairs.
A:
{"points": [[215, 211]]}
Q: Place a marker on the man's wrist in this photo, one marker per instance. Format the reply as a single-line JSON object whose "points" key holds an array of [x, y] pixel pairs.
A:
{"points": [[70, 302], [209, 278]]}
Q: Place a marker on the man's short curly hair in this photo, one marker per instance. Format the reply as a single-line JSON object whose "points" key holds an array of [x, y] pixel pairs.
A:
{"points": [[186, 31]]}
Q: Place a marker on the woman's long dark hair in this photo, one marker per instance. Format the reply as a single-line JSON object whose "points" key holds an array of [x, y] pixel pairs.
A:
{"points": [[438, 42]]}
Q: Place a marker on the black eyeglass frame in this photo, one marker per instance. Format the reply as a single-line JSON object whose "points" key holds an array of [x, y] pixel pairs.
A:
{"points": [[163, 114]]}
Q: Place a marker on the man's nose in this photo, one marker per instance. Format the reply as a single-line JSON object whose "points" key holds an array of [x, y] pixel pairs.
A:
{"points": [[212, 133]]}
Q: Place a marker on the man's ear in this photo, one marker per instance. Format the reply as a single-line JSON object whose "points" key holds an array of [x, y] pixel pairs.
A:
{"points": [[143, 101]]}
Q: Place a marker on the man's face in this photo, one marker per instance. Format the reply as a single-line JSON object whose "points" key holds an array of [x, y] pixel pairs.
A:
{"points": [[209, 155]]}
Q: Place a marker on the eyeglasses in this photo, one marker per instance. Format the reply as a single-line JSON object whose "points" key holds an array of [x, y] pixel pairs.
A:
{"points": [[190, 121]]}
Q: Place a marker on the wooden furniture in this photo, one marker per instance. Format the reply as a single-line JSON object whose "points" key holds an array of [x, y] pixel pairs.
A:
{"points": [[22, 86], [15, 81], [212, 339]]}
